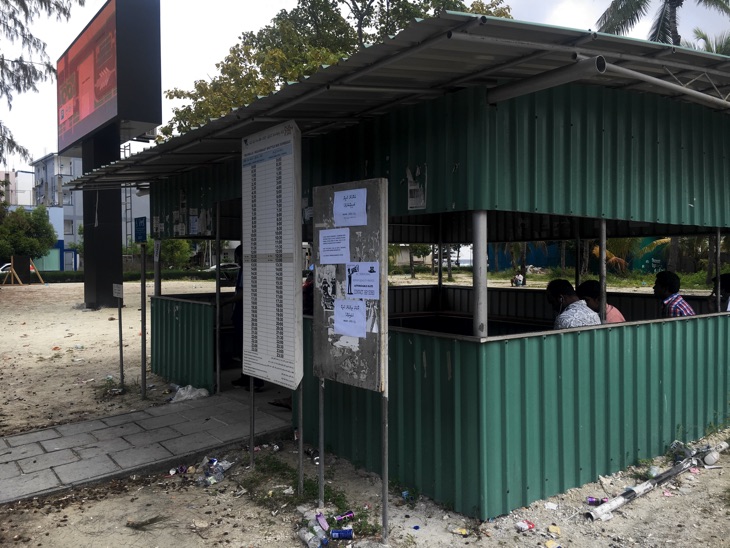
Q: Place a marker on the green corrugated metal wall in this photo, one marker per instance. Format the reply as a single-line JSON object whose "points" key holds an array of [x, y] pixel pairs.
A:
{"points": [[200, 189], [572, 150], [183, 342], [486, 428]]}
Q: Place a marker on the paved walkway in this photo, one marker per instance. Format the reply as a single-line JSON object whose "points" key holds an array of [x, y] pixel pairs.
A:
{"points": [[51, 460]]}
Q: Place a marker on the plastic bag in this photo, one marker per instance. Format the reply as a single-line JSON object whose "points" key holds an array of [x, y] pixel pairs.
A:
{"points": [[189, 393]]}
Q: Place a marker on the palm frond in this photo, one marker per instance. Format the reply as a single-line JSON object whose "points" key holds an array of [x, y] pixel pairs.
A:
{"points": [[723, 6], [661, 28], [622, 15]]}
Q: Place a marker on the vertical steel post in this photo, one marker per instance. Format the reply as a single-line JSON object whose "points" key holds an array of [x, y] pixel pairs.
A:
{"points": [[300, 437], [578, 261], [218, 304], [479, 273], [602, 270], [143, 292], [718, 297], [158, 273], [321, 442], [252, 432], [121, 346]]}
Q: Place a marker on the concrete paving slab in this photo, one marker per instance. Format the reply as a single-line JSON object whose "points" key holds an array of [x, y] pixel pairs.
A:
{"points": [[191, 443], [80, 427], [28, 484], [230, 433], [199, 425], [141, 456], [233, 405], [168, 408], [151, 436], [17, 453], [83, 470], [30, 437], [117, 431], [47, 460], [201, 412], [3, 443], [103, 447], [66, 442], [152, 423], [9, 470], [126, 418]]}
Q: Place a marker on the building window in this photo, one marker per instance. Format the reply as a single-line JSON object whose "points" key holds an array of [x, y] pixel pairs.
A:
{"points": [[68, 227], [68, 198]]}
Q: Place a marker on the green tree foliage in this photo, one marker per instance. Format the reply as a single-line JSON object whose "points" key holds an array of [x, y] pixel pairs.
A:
{"points": [[174, 253], [621, 16], [26, 233], [21, 73], [296, 44], [718, 44]]}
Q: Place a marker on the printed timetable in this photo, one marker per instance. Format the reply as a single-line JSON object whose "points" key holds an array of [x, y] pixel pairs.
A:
{"points": [[272, 264]]}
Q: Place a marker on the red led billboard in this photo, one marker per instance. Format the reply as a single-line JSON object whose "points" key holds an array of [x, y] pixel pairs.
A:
{"points": [[87, 79], [111, 74]]}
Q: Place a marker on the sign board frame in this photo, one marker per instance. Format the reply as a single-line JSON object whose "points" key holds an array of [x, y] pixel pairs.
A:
{"points": [[271, 240], [351, 283]]}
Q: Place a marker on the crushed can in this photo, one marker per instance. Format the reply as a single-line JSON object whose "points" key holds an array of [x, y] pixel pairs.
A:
{"points": [[347, 515], [593, 501], [344, 534], [524, 525]]}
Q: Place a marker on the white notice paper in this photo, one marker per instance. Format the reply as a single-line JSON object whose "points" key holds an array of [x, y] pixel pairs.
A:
{"points": [[363, 280], [350, 318], [350, 207], [334, 246]]}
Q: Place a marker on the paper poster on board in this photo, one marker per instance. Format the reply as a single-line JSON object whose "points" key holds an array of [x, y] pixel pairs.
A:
{"points": [[334, 246], [350, 318], [363, 280], [350, 207]]}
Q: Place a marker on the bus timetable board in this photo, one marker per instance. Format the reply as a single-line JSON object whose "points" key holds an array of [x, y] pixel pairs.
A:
{"points": [[272, 263]]}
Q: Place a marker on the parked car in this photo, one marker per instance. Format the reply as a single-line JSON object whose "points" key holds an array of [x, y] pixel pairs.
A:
{"points": [[6, 268], [225, 267], [229, 273]]}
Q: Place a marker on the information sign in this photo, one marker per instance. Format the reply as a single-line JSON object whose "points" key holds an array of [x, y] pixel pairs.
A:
{"points": [[272, 262], [140, 230]]}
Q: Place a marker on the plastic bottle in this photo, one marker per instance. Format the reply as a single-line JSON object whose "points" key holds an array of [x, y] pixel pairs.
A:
{"points": [[321, 535], [309, 539]]}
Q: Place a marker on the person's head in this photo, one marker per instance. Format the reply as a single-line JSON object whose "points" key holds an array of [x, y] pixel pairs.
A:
{"points": [[666, 284], [724, 284], [590, 292], [238, 256], [560, 293]]}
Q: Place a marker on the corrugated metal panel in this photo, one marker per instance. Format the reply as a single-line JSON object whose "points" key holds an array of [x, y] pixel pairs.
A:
{"points": [[183, 341], [573, 150], [487, 428], [194, 193]]}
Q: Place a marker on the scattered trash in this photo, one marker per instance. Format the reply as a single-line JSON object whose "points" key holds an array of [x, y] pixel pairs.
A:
{"points": [[694, 470], [653, 471], [56, 348], [551, 506], [342, 534], [552, 544], [322, 522], [524, 525], [554, 530], [668, 494], [594, 501], [212, 472], [312, 454], [189, 393], [416, 527], [289, 491], [711, 458], [460, 531], [347, 515]]}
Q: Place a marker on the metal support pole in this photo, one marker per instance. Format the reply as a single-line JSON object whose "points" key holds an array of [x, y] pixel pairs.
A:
{"points": [[218, 314], [578, 260], [300, 437], [384, 475], [143, 292], [321, 442], [252, 430], [121, 346], [158, 273], [718, 288], [479, 274], [602, 270]]}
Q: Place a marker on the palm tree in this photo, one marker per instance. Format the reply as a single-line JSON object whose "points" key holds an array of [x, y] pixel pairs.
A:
{"points": [[719, 44], [622, 15]]}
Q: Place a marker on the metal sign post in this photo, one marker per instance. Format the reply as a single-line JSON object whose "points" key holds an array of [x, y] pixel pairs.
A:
{"points": [[140, 237], [118, 292]]}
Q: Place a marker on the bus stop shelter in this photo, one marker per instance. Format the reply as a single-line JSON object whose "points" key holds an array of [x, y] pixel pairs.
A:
{"points": [[488, 130]]}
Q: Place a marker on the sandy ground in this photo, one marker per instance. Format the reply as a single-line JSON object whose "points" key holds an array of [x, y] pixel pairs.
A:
{"points": [[60, 363]]}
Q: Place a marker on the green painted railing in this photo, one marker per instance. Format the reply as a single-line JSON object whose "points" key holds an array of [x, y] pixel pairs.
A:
{"points": [[486, 427]]}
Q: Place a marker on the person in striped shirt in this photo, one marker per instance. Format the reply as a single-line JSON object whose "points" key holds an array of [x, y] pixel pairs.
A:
{"points": [[666, 287]]}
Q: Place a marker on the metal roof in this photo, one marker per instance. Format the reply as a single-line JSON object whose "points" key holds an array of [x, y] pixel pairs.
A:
{"points": [[433, 57]]}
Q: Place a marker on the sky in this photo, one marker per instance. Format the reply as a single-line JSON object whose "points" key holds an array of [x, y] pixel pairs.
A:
{"points": [[193, 40]]}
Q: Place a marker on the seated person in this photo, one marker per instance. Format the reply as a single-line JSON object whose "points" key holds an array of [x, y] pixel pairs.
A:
{"points": [[517, 280], [666, 287], [572, 311], [590, 292]]}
